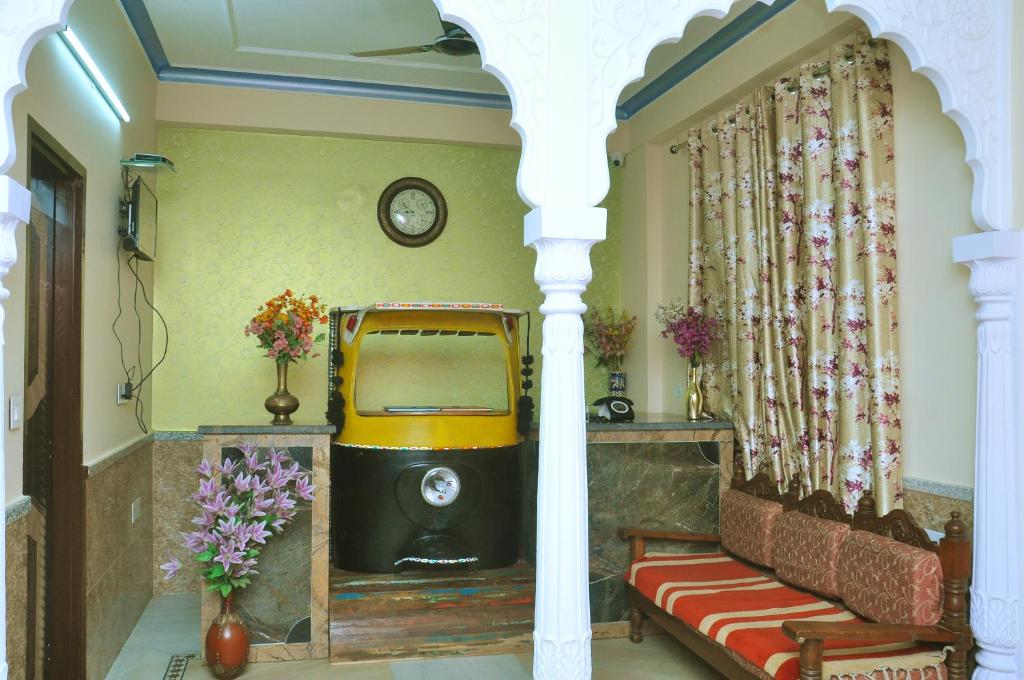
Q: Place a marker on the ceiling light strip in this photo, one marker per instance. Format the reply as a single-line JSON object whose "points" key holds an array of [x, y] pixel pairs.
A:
{"points": [[93, 71]]}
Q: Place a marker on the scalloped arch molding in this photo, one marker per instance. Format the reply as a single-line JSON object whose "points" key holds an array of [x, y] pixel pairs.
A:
{"points": [[563, 95], [963, 46]]}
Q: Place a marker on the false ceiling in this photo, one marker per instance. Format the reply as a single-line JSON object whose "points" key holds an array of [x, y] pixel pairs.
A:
{"points": [[306, 44]]}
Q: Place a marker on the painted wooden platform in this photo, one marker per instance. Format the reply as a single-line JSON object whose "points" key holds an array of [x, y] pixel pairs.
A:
{"points": [[431, 614]]}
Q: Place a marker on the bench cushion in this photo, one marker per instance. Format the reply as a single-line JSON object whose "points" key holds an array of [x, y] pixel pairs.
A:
{"points": [[742, 610], [746, 525], [890, 582], [805, 551]]}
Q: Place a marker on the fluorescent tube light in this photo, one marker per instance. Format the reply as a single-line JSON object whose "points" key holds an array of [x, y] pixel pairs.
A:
{"points": [[78, 49]]}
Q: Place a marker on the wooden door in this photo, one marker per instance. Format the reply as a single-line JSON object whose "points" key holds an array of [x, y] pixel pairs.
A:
{"points": [[53, 475]]}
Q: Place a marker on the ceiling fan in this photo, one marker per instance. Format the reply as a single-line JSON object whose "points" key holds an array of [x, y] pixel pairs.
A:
{"points": [[454, 42]]}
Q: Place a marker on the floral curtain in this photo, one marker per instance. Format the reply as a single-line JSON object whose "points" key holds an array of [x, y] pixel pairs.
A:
{"points": [[792, 218]]}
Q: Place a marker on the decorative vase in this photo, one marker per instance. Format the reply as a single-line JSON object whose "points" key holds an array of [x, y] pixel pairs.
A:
{"points": [[227, 642], [694, 392], [282, 403], [617, 384]]}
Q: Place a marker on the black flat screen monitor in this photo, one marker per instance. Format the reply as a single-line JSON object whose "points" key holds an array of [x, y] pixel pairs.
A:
{"points": [[138, 228]]}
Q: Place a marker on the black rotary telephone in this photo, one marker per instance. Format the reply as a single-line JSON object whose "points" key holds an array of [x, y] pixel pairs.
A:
{"points": [[614, 410]]}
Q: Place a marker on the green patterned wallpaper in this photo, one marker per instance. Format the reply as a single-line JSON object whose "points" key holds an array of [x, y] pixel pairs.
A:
{"points": [[250, 214]]}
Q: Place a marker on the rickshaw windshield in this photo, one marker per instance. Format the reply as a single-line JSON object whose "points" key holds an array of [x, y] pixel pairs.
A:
{"points": [[431, 371]]}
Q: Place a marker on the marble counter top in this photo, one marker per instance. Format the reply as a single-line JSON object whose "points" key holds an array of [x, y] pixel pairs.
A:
{"points": [[652, 422], [657, 427], [298, 428]]}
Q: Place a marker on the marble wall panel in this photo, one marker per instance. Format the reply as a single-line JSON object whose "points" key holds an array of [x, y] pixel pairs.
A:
{"points": [[673, 486], [932, 510], [17, 597], [118, 555], [22, 611], [174, 481]]}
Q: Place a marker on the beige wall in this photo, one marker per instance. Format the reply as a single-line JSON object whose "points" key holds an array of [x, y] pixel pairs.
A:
{"points": [[934, 187], [64, 102], [240, 108], [936, 311]]}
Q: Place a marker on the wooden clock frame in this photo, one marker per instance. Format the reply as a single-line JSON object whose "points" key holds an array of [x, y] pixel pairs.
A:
{"points": [[392, 231]]}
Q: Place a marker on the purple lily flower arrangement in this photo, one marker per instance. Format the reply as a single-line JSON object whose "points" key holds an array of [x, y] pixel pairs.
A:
{"points": [[242, 503]]}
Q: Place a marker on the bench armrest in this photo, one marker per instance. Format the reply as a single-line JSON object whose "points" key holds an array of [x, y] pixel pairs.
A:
{"points": [[811, 636], [638, 539], [827, 630]]}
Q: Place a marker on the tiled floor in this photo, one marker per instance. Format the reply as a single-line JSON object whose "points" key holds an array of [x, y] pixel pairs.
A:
{"points": [[169, 626]]}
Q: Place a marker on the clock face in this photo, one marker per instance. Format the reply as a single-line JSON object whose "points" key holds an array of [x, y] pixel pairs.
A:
{"points": [[412, 211]]}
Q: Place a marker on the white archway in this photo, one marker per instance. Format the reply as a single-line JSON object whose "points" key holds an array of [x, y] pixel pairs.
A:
{"points": [[564, 93]]}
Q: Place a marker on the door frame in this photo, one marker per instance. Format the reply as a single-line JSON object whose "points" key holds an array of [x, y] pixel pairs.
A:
{"points": [[65, 514]]}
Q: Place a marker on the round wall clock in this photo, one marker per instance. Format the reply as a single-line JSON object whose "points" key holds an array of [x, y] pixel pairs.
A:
{"points": [[412, 211]]}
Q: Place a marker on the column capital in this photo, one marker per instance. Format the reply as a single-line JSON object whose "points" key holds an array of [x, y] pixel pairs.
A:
{"points": [[992, 258], [559, 222], [1002, 244], [15, 208], [15, 200]]}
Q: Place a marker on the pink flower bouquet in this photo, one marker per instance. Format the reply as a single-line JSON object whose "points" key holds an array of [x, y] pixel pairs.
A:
{"points": [[608, 337], [242, 503], [689, 329]]}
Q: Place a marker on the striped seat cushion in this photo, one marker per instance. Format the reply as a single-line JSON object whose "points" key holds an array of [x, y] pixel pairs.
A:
{"points": [[742, 609]]}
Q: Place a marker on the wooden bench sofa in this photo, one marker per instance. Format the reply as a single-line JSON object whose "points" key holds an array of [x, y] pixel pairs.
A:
{"points": [[800, 589]]}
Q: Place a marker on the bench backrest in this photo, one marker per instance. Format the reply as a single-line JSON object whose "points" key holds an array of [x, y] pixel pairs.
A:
{"points": [[954, 550]]}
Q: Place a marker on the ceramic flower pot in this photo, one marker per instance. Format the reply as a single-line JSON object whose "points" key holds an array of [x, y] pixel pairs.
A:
{"points": [[227, 642], [282, 403], [617, 384]]}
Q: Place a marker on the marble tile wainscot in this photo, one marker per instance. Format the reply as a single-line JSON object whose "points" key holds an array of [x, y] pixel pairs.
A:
{"points": [[284, 595], [931, 502], [25, 545], [118, 550], [176, 456], [660, 472]]}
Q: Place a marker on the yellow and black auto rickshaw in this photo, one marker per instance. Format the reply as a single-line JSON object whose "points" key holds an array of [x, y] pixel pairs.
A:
{"points": [[426, 464]]}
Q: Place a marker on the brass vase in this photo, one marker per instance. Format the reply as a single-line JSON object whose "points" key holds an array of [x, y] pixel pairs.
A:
{"points": [[282, 403], [694, 391]]}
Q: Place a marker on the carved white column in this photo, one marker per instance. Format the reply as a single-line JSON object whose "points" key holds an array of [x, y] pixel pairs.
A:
{"points": [[15, 203], [561, 634], [996, 615]]}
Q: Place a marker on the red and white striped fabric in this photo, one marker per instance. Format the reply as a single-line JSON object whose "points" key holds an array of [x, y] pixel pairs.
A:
{"points": [[742, 609]]}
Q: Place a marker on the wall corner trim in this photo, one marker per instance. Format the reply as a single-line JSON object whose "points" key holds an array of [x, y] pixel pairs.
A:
{"points": [[111, 457], [955, 491], [17, 509]]}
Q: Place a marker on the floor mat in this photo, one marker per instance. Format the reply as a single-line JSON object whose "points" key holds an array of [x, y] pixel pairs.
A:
{"points": [[177, 665], [496, 667]]}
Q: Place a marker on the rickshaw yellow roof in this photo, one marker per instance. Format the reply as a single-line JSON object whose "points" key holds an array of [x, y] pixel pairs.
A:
{"points": [[489, 307]]}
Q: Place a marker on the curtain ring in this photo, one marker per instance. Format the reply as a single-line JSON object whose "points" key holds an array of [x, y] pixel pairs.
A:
{"points": [[732, 120], [820, 73], [714, 128], [849, 57], [675, 148]]}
